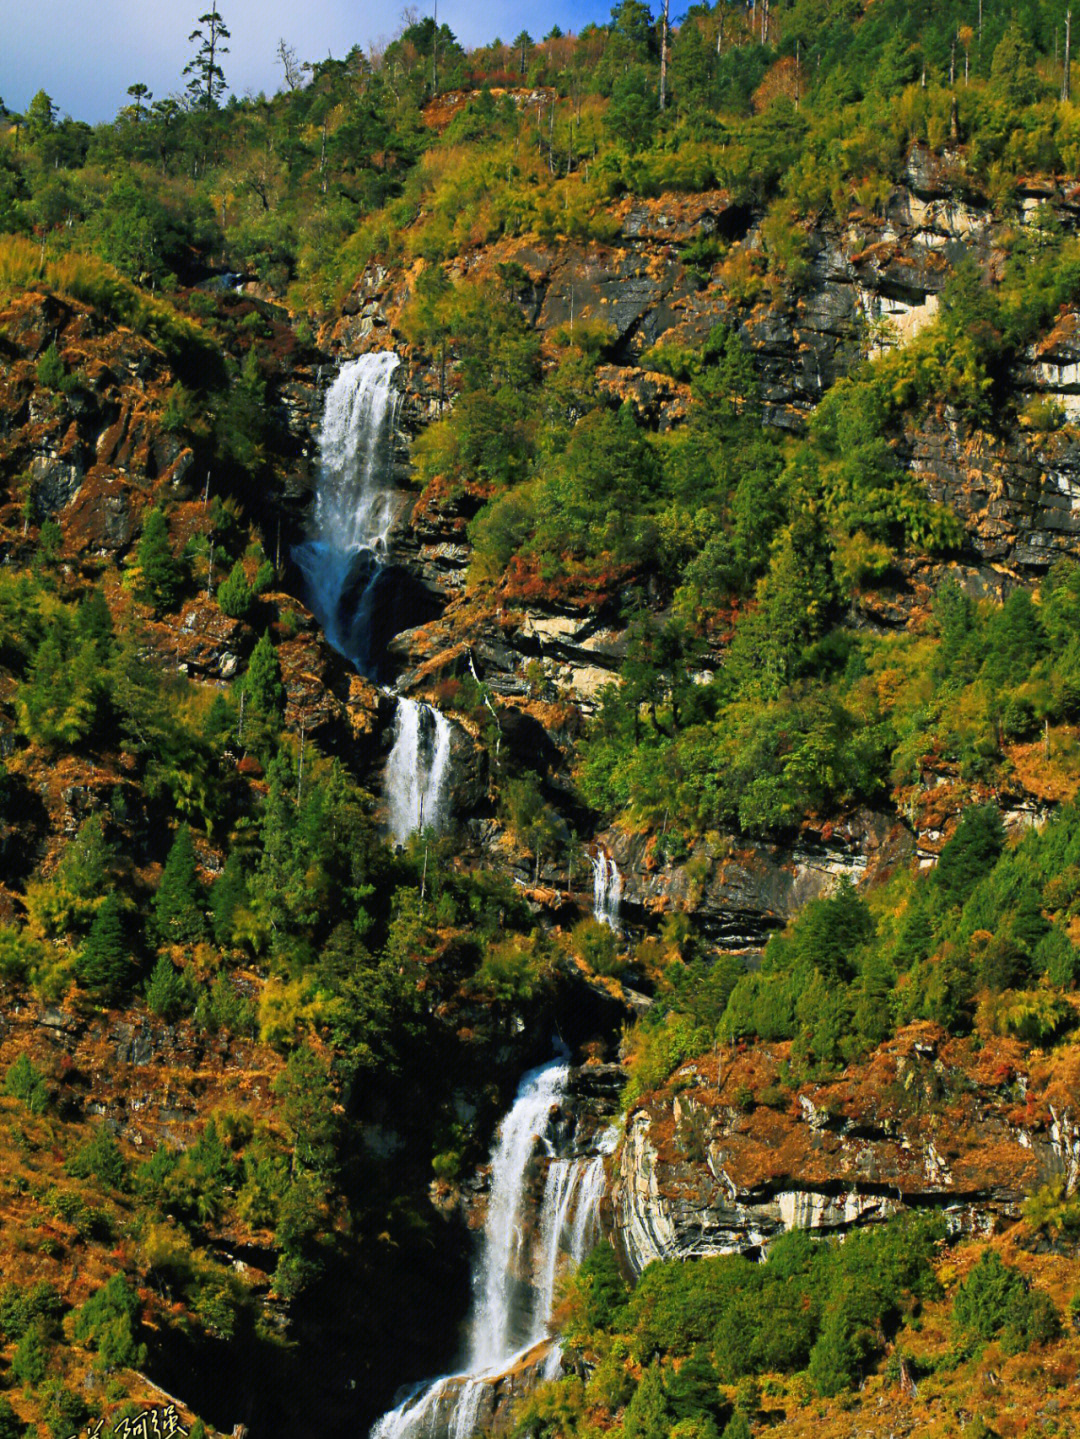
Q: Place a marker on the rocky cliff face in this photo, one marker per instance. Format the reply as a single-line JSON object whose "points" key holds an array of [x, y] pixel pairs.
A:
{"points": [[722, 1165]]}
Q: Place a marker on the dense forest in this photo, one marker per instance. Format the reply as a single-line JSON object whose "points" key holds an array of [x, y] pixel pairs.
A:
{"points": [[823, 624]]}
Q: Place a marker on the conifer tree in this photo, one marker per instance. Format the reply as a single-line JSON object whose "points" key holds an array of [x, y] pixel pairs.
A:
{"points": [[207, 83], [264, 697], [227, 896], [178, 912], [105, 964], [161, 574], [168, 994], [235, 595]]}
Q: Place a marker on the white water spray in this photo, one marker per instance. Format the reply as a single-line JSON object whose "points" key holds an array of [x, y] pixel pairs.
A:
{"points": [[342, 562], [353, 503], [513, 1288], [418, 769], [607, 889]]}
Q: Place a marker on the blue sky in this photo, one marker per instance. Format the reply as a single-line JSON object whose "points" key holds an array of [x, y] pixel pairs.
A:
{"points": [[86, 54]]}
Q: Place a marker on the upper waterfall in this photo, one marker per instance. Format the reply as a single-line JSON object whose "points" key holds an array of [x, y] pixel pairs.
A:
{"points": [[607, 889], [344, 560], [353, 504]]}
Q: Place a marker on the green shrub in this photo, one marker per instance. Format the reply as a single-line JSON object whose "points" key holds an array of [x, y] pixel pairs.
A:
{"points": [[30, 1362], [51, 370], [25, 1081], [995, 1302], [100, 1158], [108, 1322], [20, 1308]]}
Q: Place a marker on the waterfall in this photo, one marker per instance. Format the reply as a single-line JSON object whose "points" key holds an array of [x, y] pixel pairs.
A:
{"points": [[514, 1282], [607, 889], [353, 504], [343, 560], [418, 769]]}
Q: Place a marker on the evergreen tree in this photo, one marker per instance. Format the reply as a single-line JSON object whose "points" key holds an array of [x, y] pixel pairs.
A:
{"points": [[178, 910], [235, 596], [161, 575], [168, 994], [105, 961], [60, 701], [307, 1108], [229, 893], [25, 1081], [207, 83], [647, 1414], [30, 1362], [264, 697], [971, 853]]}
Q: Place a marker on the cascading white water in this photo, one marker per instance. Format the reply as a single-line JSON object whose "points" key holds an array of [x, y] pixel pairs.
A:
{"points": [[342, 562], [510, 1315], [588, 1181], [498, 1332], [418, 769], [353, 503], [607, 889]]}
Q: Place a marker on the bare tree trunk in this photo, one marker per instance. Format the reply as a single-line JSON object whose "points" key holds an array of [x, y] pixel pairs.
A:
{"points": [[434, 53], [663, 57], [1068, 36]]}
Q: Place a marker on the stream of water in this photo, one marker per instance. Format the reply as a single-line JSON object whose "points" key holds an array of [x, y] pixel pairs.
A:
{"points": [[344, 560], [607, 889], [515, 1279]]}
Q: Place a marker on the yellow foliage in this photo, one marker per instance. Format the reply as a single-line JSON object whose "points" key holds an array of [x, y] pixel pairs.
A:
{"points": [[286, 1008]]}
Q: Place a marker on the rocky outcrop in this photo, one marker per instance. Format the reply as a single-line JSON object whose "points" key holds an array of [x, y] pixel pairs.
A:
{"points": [[739, 891], [725, 1158]]}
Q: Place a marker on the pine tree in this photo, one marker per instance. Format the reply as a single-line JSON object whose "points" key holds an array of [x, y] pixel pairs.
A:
{"points": [[105, 964], [262, 682], [207, 83], [235, 595], [59, 702], [178, 911], [264, 698], [168, 994], [161, 575], [227, 896]]}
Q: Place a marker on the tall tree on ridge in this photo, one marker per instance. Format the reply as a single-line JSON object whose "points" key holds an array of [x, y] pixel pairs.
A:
{"points": [[207, 83]]}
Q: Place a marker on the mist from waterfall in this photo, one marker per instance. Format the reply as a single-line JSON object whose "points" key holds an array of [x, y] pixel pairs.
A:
{"points": [[607, 889], [514, 1282], [342, 562]]}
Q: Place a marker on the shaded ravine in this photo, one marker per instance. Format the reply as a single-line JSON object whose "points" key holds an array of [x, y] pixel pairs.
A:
{"points": [[515, 1278], [344, 563]]}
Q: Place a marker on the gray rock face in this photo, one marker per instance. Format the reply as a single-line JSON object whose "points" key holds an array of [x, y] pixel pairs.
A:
{"points": [[53, 484], [739, 892]]}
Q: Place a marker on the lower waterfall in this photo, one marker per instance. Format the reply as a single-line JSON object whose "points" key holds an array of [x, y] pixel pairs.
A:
{"points": [[418, 769], [514, 1282]]}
